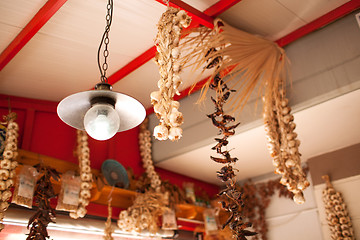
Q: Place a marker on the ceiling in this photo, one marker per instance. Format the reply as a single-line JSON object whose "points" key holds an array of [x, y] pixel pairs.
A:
{"points": [[49, 52]]}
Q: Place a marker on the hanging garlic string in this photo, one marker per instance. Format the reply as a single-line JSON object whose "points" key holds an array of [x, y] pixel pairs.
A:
{"points": [[108, 227], [8, 163], [283, 144], [336, 211], [167, 40], [83, 153], [145, 153]]}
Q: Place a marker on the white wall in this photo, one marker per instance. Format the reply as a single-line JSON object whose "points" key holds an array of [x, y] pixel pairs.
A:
{"points": [[350, 190], [287, 220]]}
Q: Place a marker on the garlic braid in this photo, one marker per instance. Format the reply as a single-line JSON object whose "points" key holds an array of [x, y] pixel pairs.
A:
{"points": [[8, 163], [168, 53], [145, 153], [283, 145], [337, 214], [83, 153]]}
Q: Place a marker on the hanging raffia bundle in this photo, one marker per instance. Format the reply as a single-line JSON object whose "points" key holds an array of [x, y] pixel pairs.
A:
{"points": [[336, 212], [252, 62]]}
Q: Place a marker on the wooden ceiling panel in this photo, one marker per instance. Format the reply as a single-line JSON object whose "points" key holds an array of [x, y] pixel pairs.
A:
{"points": [[18, 13], [309, 10], [7, 34], [147, 75], [268, 20], [132, 30], [51, 68]]}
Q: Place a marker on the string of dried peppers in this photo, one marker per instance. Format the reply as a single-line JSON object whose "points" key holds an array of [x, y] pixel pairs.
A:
{"points": [[233, 201], [45, 214]]}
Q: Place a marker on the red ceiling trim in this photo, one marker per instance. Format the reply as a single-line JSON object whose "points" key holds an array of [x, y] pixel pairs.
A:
{"points": [[196, 15], [132, 66], [220, 7], [41, 17], [322, 21]]}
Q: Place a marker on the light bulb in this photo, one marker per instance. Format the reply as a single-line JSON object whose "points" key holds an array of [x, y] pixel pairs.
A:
{"points": [[101, 121]]}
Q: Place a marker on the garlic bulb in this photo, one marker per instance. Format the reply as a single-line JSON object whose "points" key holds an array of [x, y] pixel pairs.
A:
{"points": [[8, 163], [83, 153], [337, 215], [283, 145], [167, 58]]}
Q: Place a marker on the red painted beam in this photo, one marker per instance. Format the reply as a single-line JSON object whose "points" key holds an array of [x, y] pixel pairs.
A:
{"points": [[41, 17], [196, 15], [220, 7], [322, 21], [132, 66]]}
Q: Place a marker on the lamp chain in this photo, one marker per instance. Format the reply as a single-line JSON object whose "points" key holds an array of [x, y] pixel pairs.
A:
{"points": [[105, 40]]}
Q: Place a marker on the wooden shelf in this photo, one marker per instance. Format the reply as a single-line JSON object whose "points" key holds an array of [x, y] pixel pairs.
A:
{"points": [[121, 198]]}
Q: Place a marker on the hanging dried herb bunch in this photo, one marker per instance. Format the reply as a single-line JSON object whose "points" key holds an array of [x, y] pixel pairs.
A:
{"points": [[336, 211], [144, 214], [167, 40], [252, 61], [233, 201], [83, 153], [45, 213], [8, 163]]}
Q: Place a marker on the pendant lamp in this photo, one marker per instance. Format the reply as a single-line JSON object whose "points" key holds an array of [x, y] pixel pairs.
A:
{"points": [[102, 112]]}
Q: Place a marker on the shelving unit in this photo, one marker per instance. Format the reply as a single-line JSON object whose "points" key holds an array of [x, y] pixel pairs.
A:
{"points": [[122, 198]]}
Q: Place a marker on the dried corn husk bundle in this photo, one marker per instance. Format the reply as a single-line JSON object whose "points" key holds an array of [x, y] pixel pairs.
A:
{"points": [[145, 153], [143, 215], [167, 40], [8, 163], [83, 153], [108, 228], [337, 214], [255, 62], [284, 146]]}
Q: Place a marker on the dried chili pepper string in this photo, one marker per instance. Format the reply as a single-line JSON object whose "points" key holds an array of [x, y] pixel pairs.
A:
{"points": [[234, 203], [45, 214]]}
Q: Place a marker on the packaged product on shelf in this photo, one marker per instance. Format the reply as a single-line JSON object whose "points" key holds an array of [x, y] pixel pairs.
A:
{"points": [[210, 221], [25, 186], [190, 191], [68, 199], [169, 220]]}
